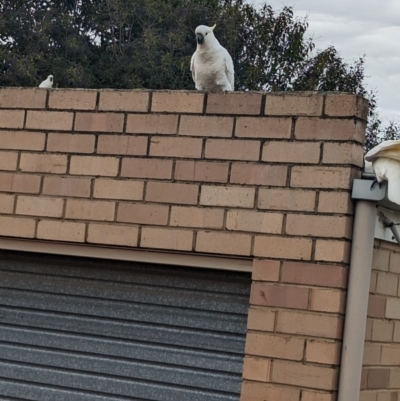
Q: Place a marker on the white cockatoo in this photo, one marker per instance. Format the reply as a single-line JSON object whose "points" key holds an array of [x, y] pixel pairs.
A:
{"points": [[385, 159], [47, 83], [211, 64]]}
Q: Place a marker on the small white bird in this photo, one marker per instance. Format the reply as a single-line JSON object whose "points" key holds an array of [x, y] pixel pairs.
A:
{"points": [[47, 83], [211, 64], [385, 160]]}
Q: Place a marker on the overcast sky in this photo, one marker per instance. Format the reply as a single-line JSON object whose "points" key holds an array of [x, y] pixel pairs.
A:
{"points": [[355, 28]]}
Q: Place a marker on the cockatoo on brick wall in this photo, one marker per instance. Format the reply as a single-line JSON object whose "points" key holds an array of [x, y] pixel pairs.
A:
{"points": [[47, 83], [385, 160], [211, 64]]}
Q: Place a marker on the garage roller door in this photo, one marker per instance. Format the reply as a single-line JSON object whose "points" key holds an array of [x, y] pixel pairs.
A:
{"points": [[82, 330]]}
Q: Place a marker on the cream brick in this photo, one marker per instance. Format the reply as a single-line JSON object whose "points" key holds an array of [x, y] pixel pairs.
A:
{"points": [[234, 103], [24, 183], [119, 100], [39, 206], [49, 120], [112, 234], [258, 391], [260, 318], [343, 153], [75, 99], [232, 149], [176, 147], [122, 145], [80, 209], [6, 203], [94, 165], [166, 238], [99, 122], [197, 217], [335, 202], [263, 127], [66, 186], [227, 196], [294, 104], [382, 330], [291, 152], [324, 352], [61, 231], [286, 199], [12, 118], [257, 174], [333, 301], [394, 266], [190, 170], [22, 140], [207, 126], [346, 105], [118, 189], [390, 355], [223, 243], [143, 213], [17, 227], [152, 124], [387, 284], [265, 270], [177, 102], [43, 163], [162, 192], [317, 396], [251, 221], [146, 168], [8, 161], [273, 346], [70, 143], [22, 98], [332, 251], [381, 259], [372, 354], [283, 247], [256, 369]]}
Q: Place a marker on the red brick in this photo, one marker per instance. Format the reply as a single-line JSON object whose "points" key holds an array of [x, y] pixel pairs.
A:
{"points": [[119, 100], [66, 186], [24, 183], [80, 209], [323, 352], [335, 202], [252, 221], [234, 103], [17, 227], [322, 177], [301, 375], [319, 226], [333, 301], [118, 189], [112, 234], [263, 127], [232, 149], [152, 124], [376, 306], [49, 120], [372, 354], [314, 274], [257, 391], [39, 206], [207, 126], [176, 147], [227, 196], [22, 98], [286, 199], [22, 140], [260, 318], [197, 217], [70, 143], [346, 105], [177, 102], [283, 247], [273, 346], [6, 203], [122, 145], [309, 324], [190, 170], [12, 118], [61, 231], [329, 129], [143, 214], [166, 238], [8, 161], [99, 122], [73, 99], [291, 152], [332, 251], [378, 378], [223, 243], [146, 168], [277, 295], [256, 174], [94, 165], [43, 163], [183, 194], [256, 369], [265, 270], [298, 104], [343, 153], [382, 330]]}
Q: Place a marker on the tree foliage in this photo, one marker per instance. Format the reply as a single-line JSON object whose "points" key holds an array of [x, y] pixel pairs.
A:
{"points": [[148, 44]]}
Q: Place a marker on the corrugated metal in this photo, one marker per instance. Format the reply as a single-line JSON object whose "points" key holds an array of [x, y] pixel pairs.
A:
{"points": [[80, 329]]}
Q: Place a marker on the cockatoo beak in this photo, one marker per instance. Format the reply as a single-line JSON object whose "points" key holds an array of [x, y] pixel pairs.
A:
{"points": [[200, 38], [213, 27]]}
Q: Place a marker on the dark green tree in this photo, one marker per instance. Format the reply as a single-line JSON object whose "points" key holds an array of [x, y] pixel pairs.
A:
{"points": [[149, 43]]}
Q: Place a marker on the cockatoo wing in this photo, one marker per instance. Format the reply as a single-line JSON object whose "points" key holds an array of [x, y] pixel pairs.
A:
{"points": [[192, 69], [387, 149], [229, 69]]}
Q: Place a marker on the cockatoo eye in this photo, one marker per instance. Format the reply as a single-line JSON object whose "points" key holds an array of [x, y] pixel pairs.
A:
{"points": [[206, 33]]}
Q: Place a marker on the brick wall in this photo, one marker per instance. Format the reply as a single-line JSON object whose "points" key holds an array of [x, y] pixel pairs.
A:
{"points": [[242, 174], [381, 373]]}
